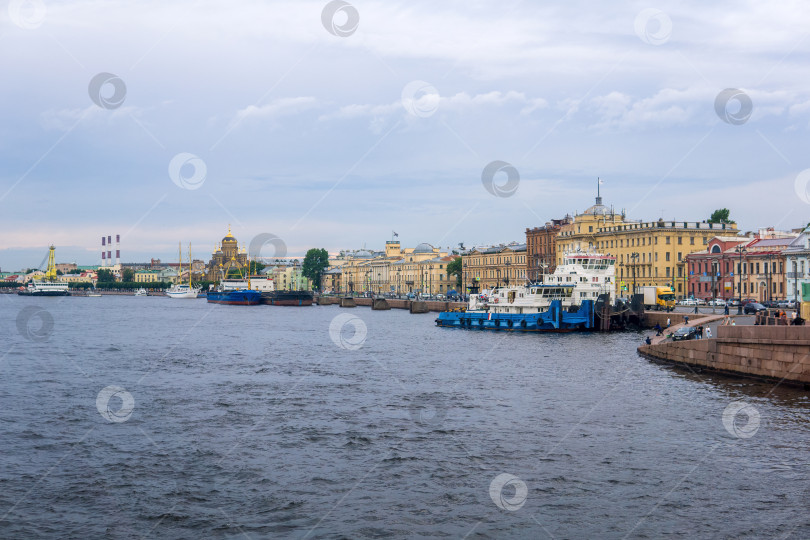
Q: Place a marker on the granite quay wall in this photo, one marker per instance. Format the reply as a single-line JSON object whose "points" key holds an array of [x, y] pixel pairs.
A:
{"points": [[660, 317], [397, 303], [780, 353]]}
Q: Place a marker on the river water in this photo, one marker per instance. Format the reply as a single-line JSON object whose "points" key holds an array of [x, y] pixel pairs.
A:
{"points": [[126, 417]]}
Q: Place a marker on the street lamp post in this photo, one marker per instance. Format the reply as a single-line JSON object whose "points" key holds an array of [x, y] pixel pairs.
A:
{"points": [[508, 263], [634, 258], [740, 250], [796, 281]]}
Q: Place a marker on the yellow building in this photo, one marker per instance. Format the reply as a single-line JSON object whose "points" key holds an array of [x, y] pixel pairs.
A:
{"points": [[418, 270], [494, 266], [649, 253]]}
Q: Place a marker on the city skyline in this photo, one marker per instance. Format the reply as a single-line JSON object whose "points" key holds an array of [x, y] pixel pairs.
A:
{"points": [[173, 124]]}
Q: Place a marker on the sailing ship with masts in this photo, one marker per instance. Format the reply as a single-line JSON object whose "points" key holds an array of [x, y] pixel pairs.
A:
{"points": [[180, 289]]}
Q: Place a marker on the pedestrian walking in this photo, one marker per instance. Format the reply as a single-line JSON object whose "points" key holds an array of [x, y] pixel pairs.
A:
{"points": [[685, 319], [696, 310], [708, 333], [668, 322], [726, 310], [657, 329]]}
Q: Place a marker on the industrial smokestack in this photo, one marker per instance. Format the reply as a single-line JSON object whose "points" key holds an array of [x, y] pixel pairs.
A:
{"points": [[118, 249]]}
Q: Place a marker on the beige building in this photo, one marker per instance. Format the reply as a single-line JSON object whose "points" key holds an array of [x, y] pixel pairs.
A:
{"points": [[494, 266], [649, 253], [422, 269]]}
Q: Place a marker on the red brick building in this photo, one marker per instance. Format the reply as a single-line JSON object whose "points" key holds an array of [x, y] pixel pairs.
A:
{"points": [[541, 248]]}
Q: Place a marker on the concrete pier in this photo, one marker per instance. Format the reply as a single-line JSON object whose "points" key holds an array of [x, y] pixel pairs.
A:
{"points": [[380, 304], [348, 302], [419, 307]]}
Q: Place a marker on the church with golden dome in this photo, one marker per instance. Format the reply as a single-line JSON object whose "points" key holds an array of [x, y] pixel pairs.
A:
{"points": [[227, 260]]}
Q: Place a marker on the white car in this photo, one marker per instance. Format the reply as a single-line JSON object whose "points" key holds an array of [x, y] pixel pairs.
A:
{"points": [[688, 302], [717, 302]]}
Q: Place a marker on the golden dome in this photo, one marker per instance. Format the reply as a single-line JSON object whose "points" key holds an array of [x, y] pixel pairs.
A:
{"points": [[229, 238]]}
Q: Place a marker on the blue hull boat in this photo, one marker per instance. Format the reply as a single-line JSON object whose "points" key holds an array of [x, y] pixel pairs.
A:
{"points": [[244, 297], [555, 319]]}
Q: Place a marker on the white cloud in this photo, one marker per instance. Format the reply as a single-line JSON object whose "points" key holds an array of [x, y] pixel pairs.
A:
{"points": [[277, 108]]}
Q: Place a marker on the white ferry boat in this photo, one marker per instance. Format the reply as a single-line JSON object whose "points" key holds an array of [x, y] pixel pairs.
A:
{"points": [[562, 301], [48, 285], [45, 288]]}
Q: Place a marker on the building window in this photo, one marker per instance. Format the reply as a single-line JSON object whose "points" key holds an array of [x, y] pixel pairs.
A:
{"points": [[692, 241], [590, 228], [667, 271], [666, 258], [667, 239], [680, 240], [680, 256]]}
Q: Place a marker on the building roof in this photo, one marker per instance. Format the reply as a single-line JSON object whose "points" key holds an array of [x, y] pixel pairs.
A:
{"points": [[423, 248]]}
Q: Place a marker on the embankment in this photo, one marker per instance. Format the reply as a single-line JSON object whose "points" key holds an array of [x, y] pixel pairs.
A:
{"points": [[780, 353]]}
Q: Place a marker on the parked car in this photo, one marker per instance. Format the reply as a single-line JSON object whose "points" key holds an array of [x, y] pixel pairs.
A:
{"points": [[770, 304], [753, 307], [789, 304], [733, 302], [688, 302], [717, 302], [748, 300], [685, 333], [439, 297], [700, 301]]}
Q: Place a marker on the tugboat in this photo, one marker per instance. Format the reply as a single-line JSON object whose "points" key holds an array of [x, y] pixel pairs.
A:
{"points": [[48, 286], [563, 302]]}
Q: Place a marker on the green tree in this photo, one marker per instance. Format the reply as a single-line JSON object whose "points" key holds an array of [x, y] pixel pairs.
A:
{"points": [[59, 273], [256, 267], [128, 275], [105, 276], [315, 262], [454, 269], [721, 215]]}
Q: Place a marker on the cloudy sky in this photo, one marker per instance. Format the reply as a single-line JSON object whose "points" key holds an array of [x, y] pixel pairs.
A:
{"points": [[332, 124]]}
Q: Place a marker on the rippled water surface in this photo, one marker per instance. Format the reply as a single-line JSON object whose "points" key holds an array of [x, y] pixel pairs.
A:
{"points": [[254, 422]]}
